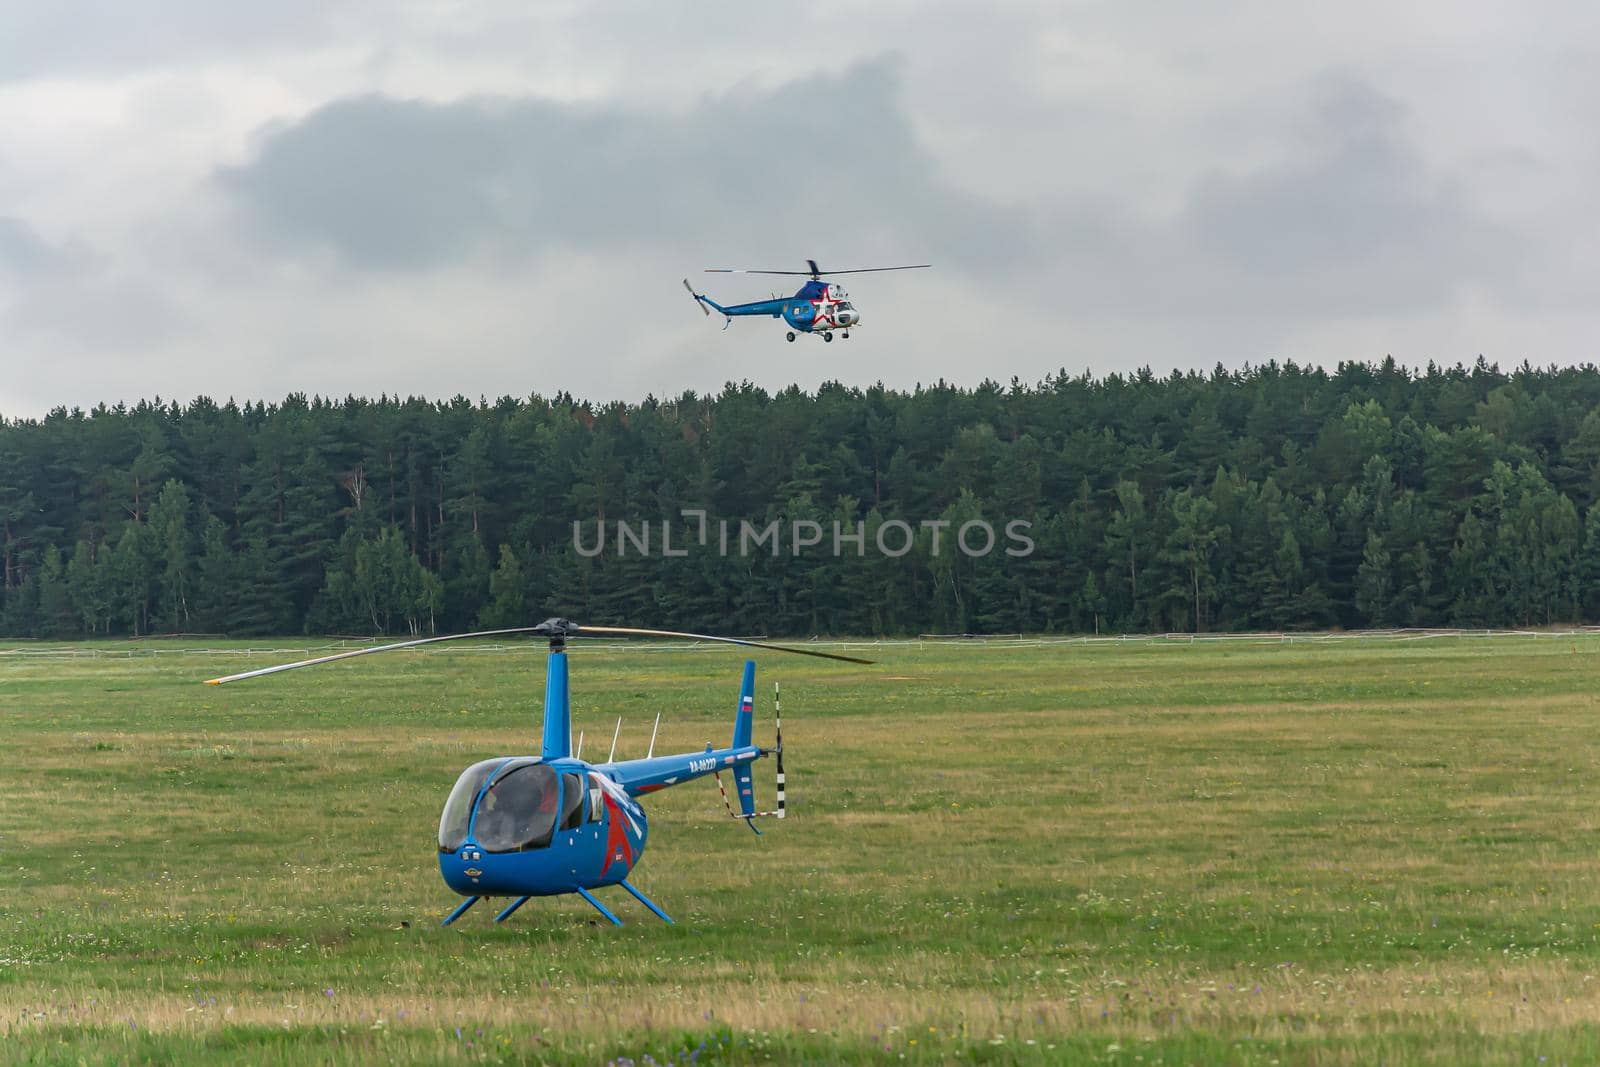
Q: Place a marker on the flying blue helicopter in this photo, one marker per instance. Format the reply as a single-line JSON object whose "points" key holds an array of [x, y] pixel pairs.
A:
{"points": [[536, 826], [818, 307]]}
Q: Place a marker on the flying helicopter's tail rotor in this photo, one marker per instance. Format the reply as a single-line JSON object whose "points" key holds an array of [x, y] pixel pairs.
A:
{"points": [[699, 302]]}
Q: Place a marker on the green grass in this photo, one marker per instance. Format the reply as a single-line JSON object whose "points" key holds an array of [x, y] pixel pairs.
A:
{"points": [[1341, 852]]}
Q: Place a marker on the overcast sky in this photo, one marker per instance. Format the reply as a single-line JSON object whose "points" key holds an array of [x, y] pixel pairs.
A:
{"points": [[500, 198]]}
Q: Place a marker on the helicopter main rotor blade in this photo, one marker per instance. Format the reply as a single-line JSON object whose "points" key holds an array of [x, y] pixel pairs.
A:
{"points": [[732, 270], [353, 653], [817, 274], [565, 629], [583, 631], [869, 270]]}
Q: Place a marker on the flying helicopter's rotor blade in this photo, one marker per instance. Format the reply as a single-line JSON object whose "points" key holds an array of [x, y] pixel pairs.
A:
{"points": [[731, 270], [585, 631], [819, 273], [365, 652], [870, 270]]}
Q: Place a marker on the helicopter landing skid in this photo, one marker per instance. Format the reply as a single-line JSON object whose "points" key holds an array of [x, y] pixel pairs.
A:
{"points": [[510, 908], [462, 910], [640, 897], [647, 902], [601, 908]]}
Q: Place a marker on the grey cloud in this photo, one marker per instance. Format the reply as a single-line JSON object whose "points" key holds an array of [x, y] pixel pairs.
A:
{"points": [[1355, 222], [96, 37], [65, 291], [1351, 221], [405, 184], [23, 250]]}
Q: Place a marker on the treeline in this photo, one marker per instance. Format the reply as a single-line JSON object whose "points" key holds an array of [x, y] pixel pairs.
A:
{"points": [[1274, 497]]}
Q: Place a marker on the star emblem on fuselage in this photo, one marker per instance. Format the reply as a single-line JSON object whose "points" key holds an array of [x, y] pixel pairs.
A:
{"points": [[822, 316]]}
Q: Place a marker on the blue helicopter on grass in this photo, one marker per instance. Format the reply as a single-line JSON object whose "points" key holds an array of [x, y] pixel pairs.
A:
{"points": [[818, 307], [536, 826]]}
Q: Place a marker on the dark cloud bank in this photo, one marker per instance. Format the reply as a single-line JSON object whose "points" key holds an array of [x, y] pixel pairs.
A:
{"points": [[1349, 221]]}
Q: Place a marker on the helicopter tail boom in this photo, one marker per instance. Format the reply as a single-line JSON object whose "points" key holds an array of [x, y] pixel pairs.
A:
{"points": [[651, 775]]}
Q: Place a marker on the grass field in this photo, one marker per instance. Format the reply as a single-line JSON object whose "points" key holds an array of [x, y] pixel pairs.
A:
{"points": [[1343, 852]]}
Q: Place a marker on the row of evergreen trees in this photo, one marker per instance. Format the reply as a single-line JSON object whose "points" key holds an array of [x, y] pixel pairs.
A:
{"points": [[1274, 497]]}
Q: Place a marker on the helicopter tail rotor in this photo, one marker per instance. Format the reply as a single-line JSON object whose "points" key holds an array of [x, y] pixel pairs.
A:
{"points": [[698, 299]]}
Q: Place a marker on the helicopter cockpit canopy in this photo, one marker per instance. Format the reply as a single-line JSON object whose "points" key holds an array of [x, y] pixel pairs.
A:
{"points": [[505, 805]]}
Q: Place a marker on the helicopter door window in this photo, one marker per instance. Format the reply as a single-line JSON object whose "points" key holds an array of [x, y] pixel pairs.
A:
{"points": [[571, 802], [457, 817], [597, 804], [518, 810]]}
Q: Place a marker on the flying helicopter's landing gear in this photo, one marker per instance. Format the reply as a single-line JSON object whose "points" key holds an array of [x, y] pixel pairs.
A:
{"points": [[601, 908], [510, 908], [462, 910], [647, 902], [827, 338], [790, 335]]}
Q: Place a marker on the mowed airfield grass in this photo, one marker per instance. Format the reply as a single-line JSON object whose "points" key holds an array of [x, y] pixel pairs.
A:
{"points": [[1344, 851]]}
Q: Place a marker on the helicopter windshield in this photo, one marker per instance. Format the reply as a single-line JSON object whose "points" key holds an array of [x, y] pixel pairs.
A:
{"points": [[457, 817], [518, 809]]}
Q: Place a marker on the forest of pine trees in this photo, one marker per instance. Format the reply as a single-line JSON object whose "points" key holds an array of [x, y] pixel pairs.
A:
{"points": [[1277, 497]]}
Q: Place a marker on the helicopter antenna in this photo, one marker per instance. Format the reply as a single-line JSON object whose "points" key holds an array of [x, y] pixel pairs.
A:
{"points": [[653, 732], [578, 750], [612, 758]]}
